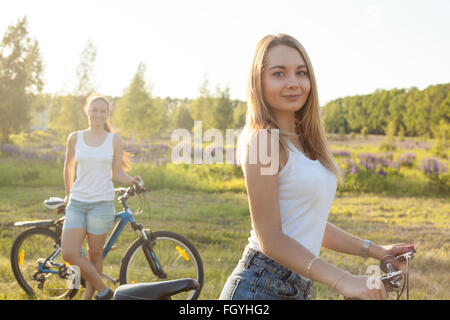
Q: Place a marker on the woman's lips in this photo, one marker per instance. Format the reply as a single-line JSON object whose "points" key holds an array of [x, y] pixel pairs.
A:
{"points": [[292, 97]]}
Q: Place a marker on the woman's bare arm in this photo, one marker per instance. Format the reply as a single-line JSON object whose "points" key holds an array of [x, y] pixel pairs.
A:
{"points": [[118, 173], [338, 240], [69, 163]]}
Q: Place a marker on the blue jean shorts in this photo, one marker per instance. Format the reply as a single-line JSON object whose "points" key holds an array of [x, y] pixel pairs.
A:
{"points": [[258, 277], [95, 217]]}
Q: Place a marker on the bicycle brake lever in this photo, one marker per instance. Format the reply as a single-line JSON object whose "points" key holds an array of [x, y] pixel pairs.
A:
{"points": [[408, 255]]}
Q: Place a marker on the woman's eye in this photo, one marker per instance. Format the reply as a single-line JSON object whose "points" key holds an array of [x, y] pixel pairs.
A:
{"points": [[278, 74], [302, 73]]}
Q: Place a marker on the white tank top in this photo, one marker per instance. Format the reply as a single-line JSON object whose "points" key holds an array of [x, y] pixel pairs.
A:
{"points": [[306, 190], [93, 175]]}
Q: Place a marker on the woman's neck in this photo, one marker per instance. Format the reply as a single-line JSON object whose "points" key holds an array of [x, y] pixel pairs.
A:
{"points": [[286, 121], [96, 130]]}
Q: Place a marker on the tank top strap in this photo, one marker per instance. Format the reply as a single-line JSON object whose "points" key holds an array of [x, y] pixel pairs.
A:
{"points": [[80, 140]]}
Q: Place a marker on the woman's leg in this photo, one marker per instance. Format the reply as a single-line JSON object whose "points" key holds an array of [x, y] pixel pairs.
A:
{"points": [[71, 242], [95, 249]]}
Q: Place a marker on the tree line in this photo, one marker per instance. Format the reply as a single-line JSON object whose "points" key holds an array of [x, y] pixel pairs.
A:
{"points": [[407, 112], [137, 114]]}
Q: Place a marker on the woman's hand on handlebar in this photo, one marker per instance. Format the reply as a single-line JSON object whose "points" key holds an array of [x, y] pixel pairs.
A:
{"points": [[361, 287], [395, 250], [138, 180]]}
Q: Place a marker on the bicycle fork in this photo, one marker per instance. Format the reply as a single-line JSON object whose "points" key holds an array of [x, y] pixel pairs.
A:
{"points": [[147, 247]]}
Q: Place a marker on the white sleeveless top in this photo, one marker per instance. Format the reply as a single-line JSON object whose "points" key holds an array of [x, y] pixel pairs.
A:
{"points": [[306, 190], [93, 176]]}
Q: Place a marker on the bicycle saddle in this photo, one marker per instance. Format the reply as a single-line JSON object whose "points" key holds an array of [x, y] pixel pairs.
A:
{"points": [[53, 202], [154, 290]]}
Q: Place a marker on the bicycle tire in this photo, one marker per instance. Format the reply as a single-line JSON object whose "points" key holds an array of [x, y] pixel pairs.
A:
{"points": [[15, 260], [136, 245]]}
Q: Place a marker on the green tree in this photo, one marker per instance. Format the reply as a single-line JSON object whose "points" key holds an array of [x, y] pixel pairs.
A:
{"points": [[441, 134], [182, 118], [85, 71], [414, 112], [66, 115], [410, 115], [444, 108], [199, 107], [335, 116], [365, 132], [221, 110], [239, 115], [20, 78], [137, 114]]}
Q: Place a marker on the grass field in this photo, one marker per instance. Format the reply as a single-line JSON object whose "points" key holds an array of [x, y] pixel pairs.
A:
{"points": [[218, 225], [213, 214]]}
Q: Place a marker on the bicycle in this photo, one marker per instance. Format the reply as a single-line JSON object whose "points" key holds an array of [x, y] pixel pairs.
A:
{"points": [[395, 280], [41, 272]]}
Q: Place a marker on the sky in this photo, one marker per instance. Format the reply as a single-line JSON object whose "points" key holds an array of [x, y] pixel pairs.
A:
{"points": [[356, 46]]}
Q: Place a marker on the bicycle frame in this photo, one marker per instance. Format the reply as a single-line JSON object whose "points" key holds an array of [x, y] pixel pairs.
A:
{"points": [[124, 217]]}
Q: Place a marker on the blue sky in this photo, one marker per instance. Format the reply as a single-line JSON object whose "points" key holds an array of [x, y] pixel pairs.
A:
{"points": [[355, 46]]}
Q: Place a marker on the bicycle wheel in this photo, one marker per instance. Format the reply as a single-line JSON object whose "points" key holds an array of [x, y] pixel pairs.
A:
{"points": [[176, 255], [29, 251]]}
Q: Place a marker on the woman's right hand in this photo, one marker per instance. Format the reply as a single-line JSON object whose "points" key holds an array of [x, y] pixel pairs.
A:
{"points": [[361, 287]]}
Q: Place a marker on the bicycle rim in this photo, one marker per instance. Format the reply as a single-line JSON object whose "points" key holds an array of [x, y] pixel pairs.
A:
{"points": [[30, 250], [176, 258]]}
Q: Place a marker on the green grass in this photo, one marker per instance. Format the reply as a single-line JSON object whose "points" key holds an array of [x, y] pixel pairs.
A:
{"points": [[218, 225], [208, 205]]}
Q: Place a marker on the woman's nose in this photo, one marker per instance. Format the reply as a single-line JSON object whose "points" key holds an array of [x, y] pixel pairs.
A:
{"points": [[292, 81]]}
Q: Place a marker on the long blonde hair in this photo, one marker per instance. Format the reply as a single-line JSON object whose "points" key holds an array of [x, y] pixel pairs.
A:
{"points": [[126, 156], [309, 127]]}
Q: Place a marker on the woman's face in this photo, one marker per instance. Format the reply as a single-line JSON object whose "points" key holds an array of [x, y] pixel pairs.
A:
{"points": [[98, 112], [285, 79]]}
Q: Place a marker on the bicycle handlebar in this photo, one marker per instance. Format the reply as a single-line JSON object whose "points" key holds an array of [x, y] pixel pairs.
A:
{"points": [[125, 193], [393, 278]]}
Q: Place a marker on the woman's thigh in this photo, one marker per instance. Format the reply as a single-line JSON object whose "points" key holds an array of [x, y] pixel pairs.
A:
{"points": [[75, 216], [71, 241], [100, 217], [95, 245]]}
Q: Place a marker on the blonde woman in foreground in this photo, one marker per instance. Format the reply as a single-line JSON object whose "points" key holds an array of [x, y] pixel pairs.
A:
{"points": [[289, 205]]}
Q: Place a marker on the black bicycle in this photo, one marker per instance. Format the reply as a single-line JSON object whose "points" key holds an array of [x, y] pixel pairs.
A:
{"points": [[164, 261]]}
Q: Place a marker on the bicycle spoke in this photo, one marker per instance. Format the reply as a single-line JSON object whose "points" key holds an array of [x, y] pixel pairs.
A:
{"points": [[34, 259], [175, 258]]}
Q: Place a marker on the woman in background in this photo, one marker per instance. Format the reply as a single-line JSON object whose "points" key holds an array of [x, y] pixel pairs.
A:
{"points": [[90, 199]]}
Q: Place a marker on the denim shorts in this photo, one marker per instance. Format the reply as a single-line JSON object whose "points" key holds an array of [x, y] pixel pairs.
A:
{"points": [[95, 217], [258, 277]]}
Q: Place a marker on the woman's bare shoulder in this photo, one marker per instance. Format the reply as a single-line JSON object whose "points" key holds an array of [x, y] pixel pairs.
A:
{"points": [[259, 152], [72, 137]]}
